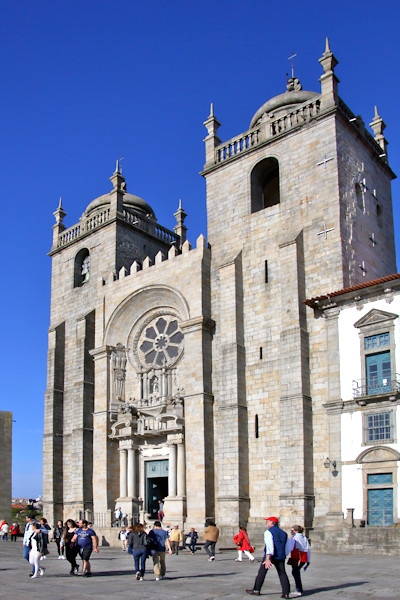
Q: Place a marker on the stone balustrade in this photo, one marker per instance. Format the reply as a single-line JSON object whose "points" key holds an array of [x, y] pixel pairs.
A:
{"points": [[99, 219], [298, 116], [254, 137], [237, 145]]}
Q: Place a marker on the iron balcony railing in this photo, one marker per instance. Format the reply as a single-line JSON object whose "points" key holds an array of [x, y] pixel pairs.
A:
{"points": [[375, 386]]}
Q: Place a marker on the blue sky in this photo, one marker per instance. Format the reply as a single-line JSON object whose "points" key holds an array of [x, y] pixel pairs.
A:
{"points": [[86, 82]]}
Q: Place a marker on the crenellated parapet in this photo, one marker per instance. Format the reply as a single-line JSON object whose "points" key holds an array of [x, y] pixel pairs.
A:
{"points": [[173, 253]]}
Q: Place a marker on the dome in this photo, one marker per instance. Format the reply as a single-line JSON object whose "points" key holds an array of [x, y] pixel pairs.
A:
{"points": [[130, 201], [293, 96]]}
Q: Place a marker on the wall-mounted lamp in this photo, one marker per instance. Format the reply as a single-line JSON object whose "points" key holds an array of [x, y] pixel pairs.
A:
{"points": [[330, 462]]}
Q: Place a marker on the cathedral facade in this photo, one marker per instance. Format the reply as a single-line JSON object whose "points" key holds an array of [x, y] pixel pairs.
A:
{"points": [[204, 376]]}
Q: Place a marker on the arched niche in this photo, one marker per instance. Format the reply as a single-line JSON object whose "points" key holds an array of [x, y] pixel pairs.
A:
{"points": [[82, 267]]}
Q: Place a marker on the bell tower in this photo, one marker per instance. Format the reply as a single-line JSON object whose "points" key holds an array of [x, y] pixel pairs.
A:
{"points": [[292, 204]]}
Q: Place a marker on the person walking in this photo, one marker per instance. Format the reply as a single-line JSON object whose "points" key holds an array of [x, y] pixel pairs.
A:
{"points": [[175, 538], [118, 516], [159, 540], [211, 535], [30, 522], [37, 546], [191, 540], [57, 537], [274, 554], [300, 554], [14, 532], [4, 531], [242, 542], [123, 536], [137, 542], [160, 512], [70, 547], [86, 539]]}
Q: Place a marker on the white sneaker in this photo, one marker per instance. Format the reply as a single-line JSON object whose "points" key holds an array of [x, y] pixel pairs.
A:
{"points": [[60, 557], [42, 572], [157, 579], [33, 576], [238, 560], [296, 594]]}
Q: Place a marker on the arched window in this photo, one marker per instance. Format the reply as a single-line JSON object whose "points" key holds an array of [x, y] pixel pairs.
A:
{"points": [[82, 267], [265, 184]]}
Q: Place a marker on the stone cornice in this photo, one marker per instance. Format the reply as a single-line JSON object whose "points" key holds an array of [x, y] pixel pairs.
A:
{"points": [[197, 323]]}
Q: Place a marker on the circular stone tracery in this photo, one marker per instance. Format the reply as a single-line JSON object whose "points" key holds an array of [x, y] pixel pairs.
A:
{"points": [[161, 342]]}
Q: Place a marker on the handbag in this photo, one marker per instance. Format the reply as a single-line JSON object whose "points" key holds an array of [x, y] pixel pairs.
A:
{"points": [[293, 562], [188, 540], [252, 550]]}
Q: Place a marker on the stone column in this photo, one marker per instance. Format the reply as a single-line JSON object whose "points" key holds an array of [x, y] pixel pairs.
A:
{"points": [[181, 487], [122, 473], [172, 471], [131, 472]]}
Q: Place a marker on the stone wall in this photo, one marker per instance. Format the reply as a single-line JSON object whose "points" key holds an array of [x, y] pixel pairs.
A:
{"points": [[5, 461]]}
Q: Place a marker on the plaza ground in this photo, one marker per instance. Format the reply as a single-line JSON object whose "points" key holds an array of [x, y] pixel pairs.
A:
{"points": [[348, 577]]}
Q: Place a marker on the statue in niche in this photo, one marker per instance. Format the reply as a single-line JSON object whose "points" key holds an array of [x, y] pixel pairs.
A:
{"points": [[86, 269], [118, 362]]}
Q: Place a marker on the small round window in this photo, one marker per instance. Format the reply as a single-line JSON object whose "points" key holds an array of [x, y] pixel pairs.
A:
{"points": [[160, 343]]}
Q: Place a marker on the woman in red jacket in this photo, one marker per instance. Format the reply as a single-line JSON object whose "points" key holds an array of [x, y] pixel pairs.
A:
{"points": [[242, 542], [14, 532]]}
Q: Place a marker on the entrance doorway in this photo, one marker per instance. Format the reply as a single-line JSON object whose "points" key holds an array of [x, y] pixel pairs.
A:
{"points": [[380, 500], [156, 485]]}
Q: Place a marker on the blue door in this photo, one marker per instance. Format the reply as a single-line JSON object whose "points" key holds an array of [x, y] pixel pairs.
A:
{"points": [[380, 507], [379, 375]]}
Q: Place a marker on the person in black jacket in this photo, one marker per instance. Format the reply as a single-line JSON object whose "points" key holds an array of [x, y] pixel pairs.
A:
{"points": [[57, 537]]}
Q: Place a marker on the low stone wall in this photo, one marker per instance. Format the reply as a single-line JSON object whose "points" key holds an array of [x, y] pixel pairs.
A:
{"points": [[366, 540], [357, 540], [108, 536]]}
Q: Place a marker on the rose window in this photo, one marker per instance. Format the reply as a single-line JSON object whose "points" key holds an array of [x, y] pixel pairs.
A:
{"points": [[161, 342]]}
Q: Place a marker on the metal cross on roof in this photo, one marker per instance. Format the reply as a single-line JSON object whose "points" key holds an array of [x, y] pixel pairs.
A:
{"points": [[292, 57]]}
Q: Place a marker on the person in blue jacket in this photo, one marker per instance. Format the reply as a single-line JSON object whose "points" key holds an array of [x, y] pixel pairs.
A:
{"points": [[274, 554]]}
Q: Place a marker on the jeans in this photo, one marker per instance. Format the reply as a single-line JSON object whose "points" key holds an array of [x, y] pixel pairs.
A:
{"points": [[297, 577], [139, 556], [209, 547]]}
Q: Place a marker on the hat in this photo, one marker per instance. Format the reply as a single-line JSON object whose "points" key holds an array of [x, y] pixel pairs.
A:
{"points": [[273, 519]]}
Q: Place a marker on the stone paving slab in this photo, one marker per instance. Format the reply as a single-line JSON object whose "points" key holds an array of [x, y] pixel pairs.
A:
{"points": [[347, 577]]}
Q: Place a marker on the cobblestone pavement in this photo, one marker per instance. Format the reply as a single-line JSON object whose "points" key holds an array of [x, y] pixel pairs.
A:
{"points": [[348, 577]]}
